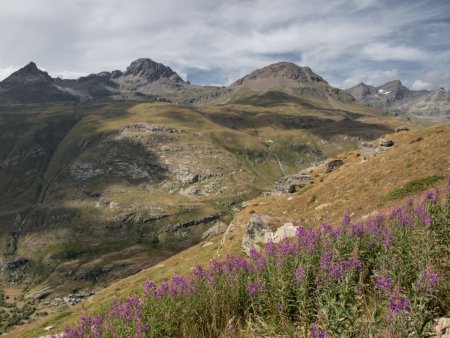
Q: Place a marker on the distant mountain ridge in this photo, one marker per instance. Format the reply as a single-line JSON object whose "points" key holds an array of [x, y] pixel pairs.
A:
{"points": [[394, 96], [145, 79]]}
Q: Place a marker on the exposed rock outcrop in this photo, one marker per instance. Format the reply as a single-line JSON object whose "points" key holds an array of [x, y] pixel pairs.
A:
{"points": [[290, 184]]}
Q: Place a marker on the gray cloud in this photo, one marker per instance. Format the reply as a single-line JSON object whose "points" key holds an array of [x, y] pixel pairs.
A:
{"points": [[215, 42]]}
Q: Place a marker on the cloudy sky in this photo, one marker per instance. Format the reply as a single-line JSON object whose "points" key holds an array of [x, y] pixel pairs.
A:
{"points": [[216, 42]]}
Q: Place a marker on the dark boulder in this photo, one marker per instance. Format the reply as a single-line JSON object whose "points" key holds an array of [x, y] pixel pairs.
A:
{"points": [[386, 143], [17, 263], [331, 165]]}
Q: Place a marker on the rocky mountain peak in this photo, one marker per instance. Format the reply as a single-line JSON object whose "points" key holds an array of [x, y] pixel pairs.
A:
{"points": [[151, 71], [283, 70], [361, 90], [29, 73], [394, 89]]}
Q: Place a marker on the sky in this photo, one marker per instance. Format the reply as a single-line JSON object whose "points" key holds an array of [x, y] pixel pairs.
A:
{"points": [[217, 42]]}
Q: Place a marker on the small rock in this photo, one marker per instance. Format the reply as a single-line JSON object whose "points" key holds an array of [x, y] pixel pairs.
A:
{"points": [[322, 206], [442, 328], [285, 231], [399, 129], [386, 143], [42, 294], [257, 231], [331, 165], [48, 328]]}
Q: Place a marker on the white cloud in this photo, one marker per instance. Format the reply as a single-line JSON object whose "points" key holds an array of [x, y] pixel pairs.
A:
{"points": [[372, 77], [338, 39], [6, 71], [384, 51], [419, 85]]}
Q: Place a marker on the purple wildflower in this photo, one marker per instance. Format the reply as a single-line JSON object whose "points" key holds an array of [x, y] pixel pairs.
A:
{"points": [[270, 248], [149, 288], [358, 229], [383, 283], [325, 260], [346, 220], [254, 288], [198, 271], [315, 332], [398, 303], [261, 263], [299, 275], [353, 263], [254, 254], [432, 197], [429, 280]]}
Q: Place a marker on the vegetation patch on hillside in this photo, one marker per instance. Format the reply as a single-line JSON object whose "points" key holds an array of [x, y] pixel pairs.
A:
{"points": [[412, 187]]}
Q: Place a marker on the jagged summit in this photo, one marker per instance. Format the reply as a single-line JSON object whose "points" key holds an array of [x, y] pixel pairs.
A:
{"points": [[392, 90], [31, 85], [151, 71], [29, 73]]}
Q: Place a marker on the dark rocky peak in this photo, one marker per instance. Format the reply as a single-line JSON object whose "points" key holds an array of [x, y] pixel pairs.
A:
{"points": [[362, 90], [286, 70], [151, 71], [28, 74], [394, 89]]}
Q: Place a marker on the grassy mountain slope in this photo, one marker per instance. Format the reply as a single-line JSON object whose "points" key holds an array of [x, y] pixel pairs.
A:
{"points": [[417, 160], [95, 192]]}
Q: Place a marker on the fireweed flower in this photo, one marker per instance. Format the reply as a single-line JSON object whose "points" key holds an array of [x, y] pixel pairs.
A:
{"points": [[333, 232], [255, 288], [315, 332], [432, 197], [383, 283], [353, 263], [429, 280], [346, 219], [198, 271], [261, 263], [398, 303], [401, 217], [423, 215], [299, 275], [357, 229], [270, 248], [149, 288], [325, 260], [254, 253]]}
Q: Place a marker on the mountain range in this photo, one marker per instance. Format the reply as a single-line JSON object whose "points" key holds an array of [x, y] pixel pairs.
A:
{"points": [[395, 97], [145, 79]]}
